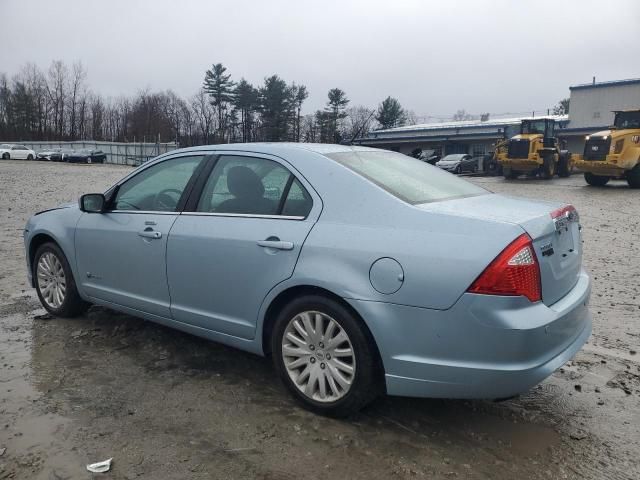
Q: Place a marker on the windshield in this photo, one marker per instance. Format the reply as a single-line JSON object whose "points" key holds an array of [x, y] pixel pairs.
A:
{"points": [[626, 120], [533, 126], [453, 158], [405, 177]]}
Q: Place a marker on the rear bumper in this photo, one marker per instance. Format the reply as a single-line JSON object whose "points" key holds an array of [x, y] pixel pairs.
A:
{"points": [[483, 347]]}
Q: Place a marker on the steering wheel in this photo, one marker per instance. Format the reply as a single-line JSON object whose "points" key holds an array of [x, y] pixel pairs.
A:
{"points": [[167, 200]]}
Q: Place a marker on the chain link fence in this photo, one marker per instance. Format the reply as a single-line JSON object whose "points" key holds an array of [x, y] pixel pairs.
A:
{"points": [[121, 153]]}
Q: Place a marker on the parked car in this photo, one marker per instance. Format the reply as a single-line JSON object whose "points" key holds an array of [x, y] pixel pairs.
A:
{"points": [[350, 266], [16, 152], [429, 156], [53, 155], [85, 156], [458, 163]]}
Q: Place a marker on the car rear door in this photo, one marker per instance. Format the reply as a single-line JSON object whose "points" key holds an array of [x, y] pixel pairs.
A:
{"points": [[121, 252], [240, 235]]}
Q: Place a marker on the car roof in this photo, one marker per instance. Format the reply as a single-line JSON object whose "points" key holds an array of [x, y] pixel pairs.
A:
{"points": [[456, 155], [277, 148]]}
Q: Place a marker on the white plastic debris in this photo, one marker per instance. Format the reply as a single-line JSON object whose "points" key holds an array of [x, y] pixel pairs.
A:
{"points": [[100, 467]]}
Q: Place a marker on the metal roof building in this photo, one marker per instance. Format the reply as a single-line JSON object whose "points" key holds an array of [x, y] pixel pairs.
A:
{"points": [[591, 109], [467, 136]]}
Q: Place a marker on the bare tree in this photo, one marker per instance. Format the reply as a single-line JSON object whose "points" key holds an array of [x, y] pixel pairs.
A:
{"points": [[77, 94], [57, 91], [204, 115]]}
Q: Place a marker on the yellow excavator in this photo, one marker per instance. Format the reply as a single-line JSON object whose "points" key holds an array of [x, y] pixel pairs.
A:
{"points": [[535, 150], [613, 153]]}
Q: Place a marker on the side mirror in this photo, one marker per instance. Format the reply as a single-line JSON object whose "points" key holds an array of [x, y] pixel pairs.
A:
{"points": [[92, 203]]}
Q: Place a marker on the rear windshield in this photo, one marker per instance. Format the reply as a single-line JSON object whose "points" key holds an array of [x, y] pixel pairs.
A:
{"points": [[405, 177]]}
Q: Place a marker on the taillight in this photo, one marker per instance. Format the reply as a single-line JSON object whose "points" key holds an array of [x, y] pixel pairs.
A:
{"points": [[566, 211], [515, 272]]}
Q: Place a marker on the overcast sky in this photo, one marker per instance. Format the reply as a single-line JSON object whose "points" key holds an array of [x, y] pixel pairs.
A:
{"points": [[434, 56]]}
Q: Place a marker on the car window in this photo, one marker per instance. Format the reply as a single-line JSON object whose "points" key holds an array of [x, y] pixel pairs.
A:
{"points": [[298, 202], [157, 188], [245, 185], [405, 177]]}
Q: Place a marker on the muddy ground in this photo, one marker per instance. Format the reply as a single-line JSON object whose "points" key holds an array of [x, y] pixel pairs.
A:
{"points": [[167, 405]]}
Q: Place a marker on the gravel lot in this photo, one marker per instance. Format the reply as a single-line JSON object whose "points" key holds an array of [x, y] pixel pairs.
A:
{"points": [[168, 405]]}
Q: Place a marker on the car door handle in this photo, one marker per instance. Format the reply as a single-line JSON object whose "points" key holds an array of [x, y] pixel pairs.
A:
{"points": [[150, 233], [277, 244]]}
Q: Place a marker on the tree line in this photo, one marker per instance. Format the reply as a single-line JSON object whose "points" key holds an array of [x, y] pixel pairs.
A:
{"points": [[57, 104]]}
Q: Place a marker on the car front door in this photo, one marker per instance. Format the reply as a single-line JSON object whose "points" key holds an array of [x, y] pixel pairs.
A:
{"points": [[241, 237], [18, 153], [121, 252]]}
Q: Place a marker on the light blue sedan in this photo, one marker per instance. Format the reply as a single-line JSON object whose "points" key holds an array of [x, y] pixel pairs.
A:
{"points": [[360, 271]]}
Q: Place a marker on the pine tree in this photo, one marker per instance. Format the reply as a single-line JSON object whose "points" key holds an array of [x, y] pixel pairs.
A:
{"points": [[276, 105], [336, 107], [300, 94], [220, 88], [390, 113], [246, 101]]}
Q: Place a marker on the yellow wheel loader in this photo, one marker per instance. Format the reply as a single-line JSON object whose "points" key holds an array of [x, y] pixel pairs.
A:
{"points": [[613, 153], [535, 150]]}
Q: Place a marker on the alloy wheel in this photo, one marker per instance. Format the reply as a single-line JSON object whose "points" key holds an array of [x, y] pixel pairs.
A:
{"points": [[318, 356], [51, 280]]}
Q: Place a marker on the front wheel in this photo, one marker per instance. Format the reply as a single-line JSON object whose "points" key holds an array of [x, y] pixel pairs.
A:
{"points": [[55, 284], [564, 167], [6, 156], [325, 356], [30, 157], [596, 180], [633, 177], [548, 167]]}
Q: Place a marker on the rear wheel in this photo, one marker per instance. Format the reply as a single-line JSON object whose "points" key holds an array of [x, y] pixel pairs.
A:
{"points": [[6, 156], [563, 166], [549, 167], [596, 180], [633, 177], [325, 356], [54, 282]]}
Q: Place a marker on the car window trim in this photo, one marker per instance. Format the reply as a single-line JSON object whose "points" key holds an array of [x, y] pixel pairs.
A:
{"points": [[244, 215], [191, 203], [183, 198], [196, 194], [285, 193]]}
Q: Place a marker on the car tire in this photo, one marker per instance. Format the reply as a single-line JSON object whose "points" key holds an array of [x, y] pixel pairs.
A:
{"points": [[633, 177], [458, 170], [548, 167], [29, 157], [564, 169], [596, 180], [55, 285], [6, 156], [317, 374], [88, 160]]}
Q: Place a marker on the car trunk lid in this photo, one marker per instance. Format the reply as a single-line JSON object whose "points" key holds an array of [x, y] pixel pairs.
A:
{"points": [[557, 241]]}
